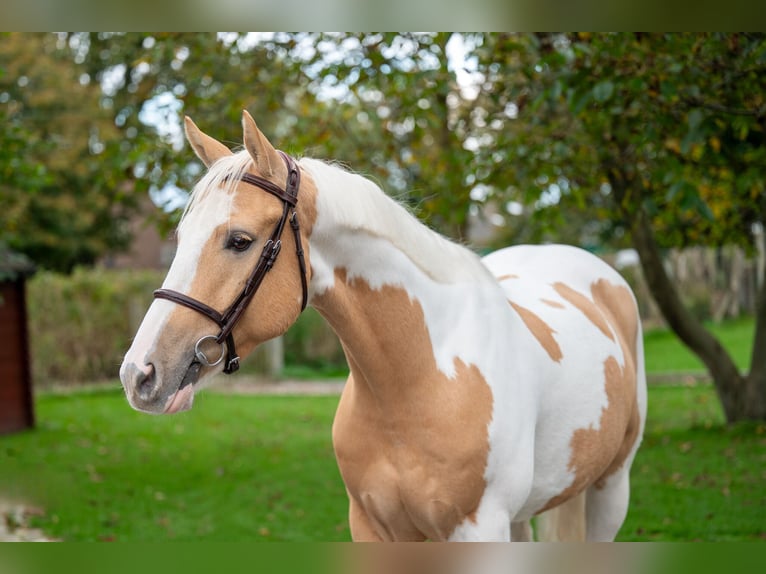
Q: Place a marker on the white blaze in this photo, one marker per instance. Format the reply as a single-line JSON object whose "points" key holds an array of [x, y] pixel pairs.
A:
{"points": [[194, 232]]}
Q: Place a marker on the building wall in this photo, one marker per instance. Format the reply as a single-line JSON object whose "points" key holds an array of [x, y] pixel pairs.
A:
{"points": [[149, 250]]}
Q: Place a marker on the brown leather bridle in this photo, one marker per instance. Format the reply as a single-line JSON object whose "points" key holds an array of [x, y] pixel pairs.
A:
{"points": [[228, 319]]}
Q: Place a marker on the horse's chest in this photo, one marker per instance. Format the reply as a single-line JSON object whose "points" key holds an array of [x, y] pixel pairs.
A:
{"points": [[417, 472]]}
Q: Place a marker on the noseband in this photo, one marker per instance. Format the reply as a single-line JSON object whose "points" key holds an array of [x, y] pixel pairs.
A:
{"points": [[228, 319]]}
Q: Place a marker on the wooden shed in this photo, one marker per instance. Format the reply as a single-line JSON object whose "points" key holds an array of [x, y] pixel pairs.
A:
{"points": [[16, 408]]}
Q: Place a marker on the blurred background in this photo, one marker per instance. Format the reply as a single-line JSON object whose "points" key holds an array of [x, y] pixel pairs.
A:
{"points": [[646, 149], [643, 148]]}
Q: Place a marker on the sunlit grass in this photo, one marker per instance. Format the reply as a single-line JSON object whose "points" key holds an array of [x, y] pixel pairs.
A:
{"points": [[694, 478], [664, 352], [233, 468]]}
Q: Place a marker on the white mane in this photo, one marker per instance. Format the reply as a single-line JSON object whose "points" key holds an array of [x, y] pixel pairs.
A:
{"points": [[357, 203]]}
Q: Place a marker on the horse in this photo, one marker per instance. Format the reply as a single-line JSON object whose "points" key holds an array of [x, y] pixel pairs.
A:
{"points": [[483, 392]]}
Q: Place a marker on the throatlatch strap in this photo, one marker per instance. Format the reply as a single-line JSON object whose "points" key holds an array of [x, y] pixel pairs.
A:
{"points": [[301, 259]]}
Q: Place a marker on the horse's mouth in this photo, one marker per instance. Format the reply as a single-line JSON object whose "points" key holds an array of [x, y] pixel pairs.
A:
{"points": [[183, 398]]}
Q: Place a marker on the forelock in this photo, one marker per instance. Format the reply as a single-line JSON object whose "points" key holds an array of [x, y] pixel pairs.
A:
{"points": [[222, 178]]}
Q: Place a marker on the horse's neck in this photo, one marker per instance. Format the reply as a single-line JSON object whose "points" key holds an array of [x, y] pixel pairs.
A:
{"points": [[403, 300], [398, 325]]}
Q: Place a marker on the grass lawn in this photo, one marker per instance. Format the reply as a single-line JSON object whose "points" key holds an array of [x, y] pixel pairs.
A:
{"points": [[233, 468], [262, 468], [665, 353], [694, 478]]}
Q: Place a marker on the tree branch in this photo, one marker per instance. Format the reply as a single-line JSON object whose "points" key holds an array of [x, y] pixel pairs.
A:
{"points": [[720, 108]]}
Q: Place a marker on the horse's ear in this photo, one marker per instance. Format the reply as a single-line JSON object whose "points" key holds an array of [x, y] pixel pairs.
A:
{"points": [[208, 149], [264, 155]]}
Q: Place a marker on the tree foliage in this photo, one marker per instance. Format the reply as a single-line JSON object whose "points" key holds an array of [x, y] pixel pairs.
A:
{"points": [[386, 104], [400, 116], [679, 117], [66, 184]]}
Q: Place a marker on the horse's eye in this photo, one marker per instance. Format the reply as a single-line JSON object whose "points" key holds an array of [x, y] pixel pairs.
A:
{"points": [[238, 242]]}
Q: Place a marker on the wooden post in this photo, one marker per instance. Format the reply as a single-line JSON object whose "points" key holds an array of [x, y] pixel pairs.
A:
{"points": [[275, 357]]}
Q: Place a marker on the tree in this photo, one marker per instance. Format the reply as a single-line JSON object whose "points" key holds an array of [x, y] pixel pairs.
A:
{"points": [[662, 136], [88, 124], [390, 106], [66, 185], [151, 79], [386, 104]]}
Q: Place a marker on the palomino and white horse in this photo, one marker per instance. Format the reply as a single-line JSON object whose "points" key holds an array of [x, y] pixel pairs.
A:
{"points": [[483, 392]]}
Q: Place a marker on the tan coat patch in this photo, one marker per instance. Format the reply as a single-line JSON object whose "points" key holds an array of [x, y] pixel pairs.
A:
{"points": [[586, 306], [620, 309], [541, 330], [598, 453], [411, 443]]}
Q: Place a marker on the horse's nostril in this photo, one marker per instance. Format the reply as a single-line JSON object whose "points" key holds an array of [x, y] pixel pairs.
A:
{"points": [[145, 383]]}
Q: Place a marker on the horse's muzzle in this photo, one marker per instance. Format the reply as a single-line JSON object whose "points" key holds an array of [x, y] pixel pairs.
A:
{"points": [[146, 393]]}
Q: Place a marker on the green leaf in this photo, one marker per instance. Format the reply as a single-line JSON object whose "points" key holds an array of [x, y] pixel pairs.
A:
{"points": [[579, 102], [704, 209], [674, 190], [603, 91], [556, 90], [695, 119], [668, 89]]}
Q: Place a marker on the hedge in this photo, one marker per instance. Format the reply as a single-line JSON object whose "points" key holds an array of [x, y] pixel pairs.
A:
{"points": [[81, 325]]}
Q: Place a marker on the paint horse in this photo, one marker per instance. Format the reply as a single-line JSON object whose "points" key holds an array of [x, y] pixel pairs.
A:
{"points": [[482, 392]]}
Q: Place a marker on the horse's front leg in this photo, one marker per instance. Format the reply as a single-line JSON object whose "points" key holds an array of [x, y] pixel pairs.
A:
{"points": [[360, 524], [493, 526], [501, 503]]}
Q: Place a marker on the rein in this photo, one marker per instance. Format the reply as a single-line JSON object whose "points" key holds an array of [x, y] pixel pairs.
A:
{"points": [[228, 319]]}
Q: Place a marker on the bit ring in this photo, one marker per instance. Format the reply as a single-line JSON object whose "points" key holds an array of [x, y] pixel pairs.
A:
{"points": [[202, 357]]}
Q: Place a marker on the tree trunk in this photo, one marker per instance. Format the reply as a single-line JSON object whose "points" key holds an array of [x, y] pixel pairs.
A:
{"points": [[755, 395], [742, 398], [275, 356]]}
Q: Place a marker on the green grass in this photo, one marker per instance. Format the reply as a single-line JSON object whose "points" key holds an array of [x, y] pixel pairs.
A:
{"points": [[318, 371], [233, 468], [262, 468], [695, 478], [664, 352]]}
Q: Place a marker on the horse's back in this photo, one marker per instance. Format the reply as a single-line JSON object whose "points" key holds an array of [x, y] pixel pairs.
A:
{"points": [[569, 291], [578, 331], [551, 264]]}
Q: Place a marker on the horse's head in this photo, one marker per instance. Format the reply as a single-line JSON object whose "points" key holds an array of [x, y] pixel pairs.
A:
{"points": [[226, 288]]}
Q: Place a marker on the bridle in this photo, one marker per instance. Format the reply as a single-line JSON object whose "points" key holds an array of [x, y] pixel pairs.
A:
{"points": [[228, 319]]}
